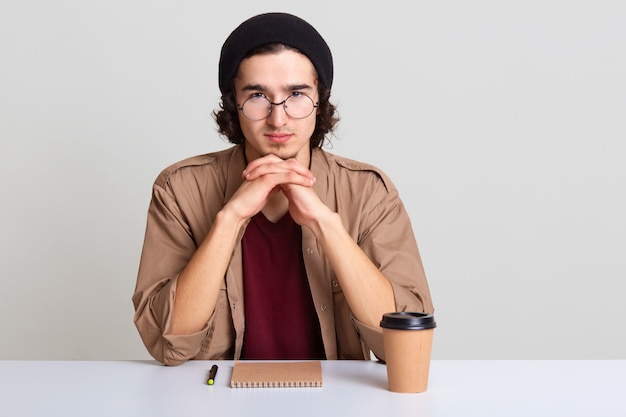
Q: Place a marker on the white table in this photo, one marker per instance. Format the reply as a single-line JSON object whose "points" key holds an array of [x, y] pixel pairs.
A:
{"points": [[350, 388]]}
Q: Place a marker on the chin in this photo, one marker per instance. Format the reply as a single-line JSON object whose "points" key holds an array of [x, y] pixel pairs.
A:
{"points": [[282, 152]]}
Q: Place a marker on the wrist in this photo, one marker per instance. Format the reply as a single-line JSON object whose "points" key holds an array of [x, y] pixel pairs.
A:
{"points": [[229, 218], [327, 226]]}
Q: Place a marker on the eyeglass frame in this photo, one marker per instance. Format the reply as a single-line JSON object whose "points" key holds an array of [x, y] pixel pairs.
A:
{"points": [[283, 103]]}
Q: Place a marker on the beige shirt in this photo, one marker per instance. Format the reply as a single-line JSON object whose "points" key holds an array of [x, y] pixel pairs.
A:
{"points": [[186, 198]]}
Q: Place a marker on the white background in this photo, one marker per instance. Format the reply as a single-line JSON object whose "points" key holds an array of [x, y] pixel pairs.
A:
{"points": [[503, 124]]}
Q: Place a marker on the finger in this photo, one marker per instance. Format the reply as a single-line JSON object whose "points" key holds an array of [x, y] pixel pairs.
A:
{"points": [[267, 159], [271, 166], [279, 179]]}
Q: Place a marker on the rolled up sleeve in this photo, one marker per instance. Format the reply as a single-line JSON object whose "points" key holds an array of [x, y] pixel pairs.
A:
{"points": [[390, 243], [168, 246]]}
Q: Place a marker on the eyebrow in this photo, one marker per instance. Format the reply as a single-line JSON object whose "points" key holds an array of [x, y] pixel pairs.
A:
{"points": [[292, 87]]}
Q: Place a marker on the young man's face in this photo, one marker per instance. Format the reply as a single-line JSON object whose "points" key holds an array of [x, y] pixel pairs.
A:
{"points": [[277, 76]]}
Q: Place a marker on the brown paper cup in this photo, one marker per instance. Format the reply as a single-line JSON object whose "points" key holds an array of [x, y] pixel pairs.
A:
{"points": [[407, 351]]}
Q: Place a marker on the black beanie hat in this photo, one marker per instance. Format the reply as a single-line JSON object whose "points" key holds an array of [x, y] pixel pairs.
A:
{"points": [[274, 28]]}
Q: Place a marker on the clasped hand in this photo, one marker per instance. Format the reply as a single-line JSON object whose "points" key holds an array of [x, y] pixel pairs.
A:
{"points": [[270, 179]]}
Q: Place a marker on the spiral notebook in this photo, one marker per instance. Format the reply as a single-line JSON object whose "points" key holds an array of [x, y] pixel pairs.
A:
{"points": [[276, 374]]}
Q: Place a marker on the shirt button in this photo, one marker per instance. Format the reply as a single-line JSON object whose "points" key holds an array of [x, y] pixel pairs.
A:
{"points": [[323, 307], [309, 251], [335, 284]]}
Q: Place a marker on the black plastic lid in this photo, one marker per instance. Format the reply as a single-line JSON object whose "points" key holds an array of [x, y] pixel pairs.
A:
{"points": [[404, 320]]}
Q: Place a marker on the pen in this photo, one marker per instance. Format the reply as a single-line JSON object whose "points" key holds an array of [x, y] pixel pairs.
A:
{"points": [[212, 374]]}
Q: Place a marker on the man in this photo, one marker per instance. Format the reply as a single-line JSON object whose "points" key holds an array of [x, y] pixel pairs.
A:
{"points": [[274, 248]]}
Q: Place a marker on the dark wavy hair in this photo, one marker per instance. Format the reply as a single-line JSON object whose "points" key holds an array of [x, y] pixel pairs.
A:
{"points": [[227, 117]]}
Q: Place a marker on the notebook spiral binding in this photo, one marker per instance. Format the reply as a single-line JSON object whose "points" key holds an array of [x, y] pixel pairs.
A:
{"points": [[275, 384]]}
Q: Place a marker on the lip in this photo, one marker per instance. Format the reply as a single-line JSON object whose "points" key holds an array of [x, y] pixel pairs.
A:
{"points": [[278, 137]]}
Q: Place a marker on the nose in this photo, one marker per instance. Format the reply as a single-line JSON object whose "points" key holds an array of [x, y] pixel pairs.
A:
{"points": [[278, 115]]}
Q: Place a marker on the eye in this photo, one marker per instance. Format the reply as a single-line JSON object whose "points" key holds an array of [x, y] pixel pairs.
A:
{"points": [[297, 96], [257, 96]]}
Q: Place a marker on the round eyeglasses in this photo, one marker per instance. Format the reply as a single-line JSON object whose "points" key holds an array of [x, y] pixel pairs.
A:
{"points": [[297, 106]]}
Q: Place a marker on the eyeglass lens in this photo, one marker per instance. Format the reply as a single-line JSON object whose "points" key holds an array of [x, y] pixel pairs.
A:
{"points": [[297, 106]]}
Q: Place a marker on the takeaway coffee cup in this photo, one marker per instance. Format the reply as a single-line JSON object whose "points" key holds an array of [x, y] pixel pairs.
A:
{"points": [[408, 339]]}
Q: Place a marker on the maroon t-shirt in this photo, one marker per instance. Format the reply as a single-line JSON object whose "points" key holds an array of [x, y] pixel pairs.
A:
{"points": [[281, 322]]}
